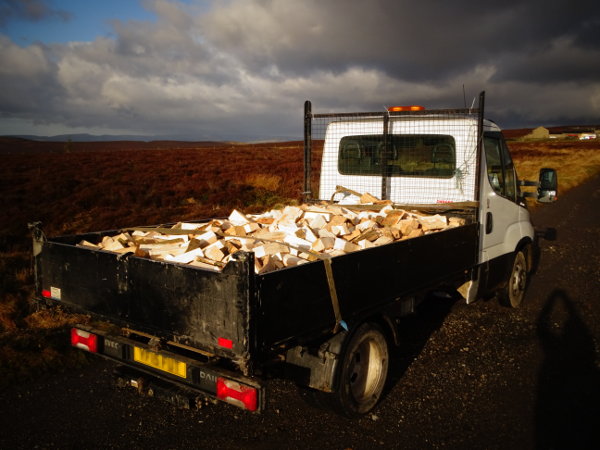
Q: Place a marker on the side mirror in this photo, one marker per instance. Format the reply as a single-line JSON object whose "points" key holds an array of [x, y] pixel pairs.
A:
{"points": [[547, 186]]}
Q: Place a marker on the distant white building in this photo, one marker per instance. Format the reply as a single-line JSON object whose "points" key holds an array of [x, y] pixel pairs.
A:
{"points": [[538, 133]]}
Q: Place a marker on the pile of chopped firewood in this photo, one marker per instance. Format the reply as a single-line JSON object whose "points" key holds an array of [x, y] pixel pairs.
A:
{"points": [[279, 238]]}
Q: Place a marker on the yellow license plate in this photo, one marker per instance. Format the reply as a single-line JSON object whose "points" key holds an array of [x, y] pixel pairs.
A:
{"points": [[160, 362]]}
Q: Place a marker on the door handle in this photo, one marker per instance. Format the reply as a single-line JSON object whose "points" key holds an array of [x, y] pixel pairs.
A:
{"points": [[489, 223]]}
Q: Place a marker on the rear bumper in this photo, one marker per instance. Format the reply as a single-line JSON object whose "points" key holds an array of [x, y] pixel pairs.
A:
{"points": [[163, 373]]}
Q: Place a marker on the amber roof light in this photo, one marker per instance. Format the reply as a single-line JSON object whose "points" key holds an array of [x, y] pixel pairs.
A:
{"points": [[406, 108]]}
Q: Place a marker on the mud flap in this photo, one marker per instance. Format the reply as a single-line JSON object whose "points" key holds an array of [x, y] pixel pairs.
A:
{"points": [[316, 370], [470, 289]]}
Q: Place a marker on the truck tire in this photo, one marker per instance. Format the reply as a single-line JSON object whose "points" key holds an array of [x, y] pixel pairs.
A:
{"points": [[362, 371], [512, 295]]}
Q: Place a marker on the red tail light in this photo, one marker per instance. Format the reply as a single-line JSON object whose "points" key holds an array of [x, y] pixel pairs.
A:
{"points": [[227, 343], [46, 293], [84, 340], [237, 394]]}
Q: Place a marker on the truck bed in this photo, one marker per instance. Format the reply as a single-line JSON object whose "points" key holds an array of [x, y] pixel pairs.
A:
{"points": [[236, 313]]}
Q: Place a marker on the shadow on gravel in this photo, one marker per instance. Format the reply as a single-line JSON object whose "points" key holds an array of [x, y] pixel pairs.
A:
{"points": [[414, 331], [545, 234], [568, 397]]}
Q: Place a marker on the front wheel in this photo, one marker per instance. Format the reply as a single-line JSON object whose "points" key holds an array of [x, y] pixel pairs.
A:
{"points": [[512, 295], [362, 372]]}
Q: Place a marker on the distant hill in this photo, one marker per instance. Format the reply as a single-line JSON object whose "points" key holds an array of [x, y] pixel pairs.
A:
{"points": [[516, 133], [19, 145], [520, 132], [85, 137], [573, 129]]}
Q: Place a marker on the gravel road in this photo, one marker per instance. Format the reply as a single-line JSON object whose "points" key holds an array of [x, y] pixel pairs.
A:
{"points": [[468, 376]]}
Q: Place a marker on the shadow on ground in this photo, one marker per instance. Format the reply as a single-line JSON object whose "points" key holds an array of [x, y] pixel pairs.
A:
{"points": [[568, 397]]}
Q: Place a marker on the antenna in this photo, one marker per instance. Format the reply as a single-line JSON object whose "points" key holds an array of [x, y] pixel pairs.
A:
{"points": [[473, 103]]}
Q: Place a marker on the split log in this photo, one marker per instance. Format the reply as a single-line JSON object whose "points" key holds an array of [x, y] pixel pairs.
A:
{"points": [[187, 257], [270, 249], [436, 222], [237, 218], [215, 251], [345, 246], [88, 244]]}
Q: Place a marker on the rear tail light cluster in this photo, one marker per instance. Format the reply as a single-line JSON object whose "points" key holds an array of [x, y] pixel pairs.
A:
{"points": [[237, 394], [84, 340]]}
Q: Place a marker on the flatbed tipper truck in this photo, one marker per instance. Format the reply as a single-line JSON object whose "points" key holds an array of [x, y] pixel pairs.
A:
{"points": [[187, 334]]}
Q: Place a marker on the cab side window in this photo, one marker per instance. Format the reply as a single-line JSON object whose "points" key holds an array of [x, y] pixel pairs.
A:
{"points": [[500, 168], [510, 176]]}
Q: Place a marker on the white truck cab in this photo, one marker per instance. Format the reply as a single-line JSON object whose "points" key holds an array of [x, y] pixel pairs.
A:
{"points": [[422, 158]]}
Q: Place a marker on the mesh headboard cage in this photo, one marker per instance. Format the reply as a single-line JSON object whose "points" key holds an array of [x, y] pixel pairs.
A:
{"points": [[409, 157]]}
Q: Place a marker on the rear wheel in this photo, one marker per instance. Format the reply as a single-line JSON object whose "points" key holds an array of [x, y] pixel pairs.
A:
{"points": [[362, 372], [512, 295]]}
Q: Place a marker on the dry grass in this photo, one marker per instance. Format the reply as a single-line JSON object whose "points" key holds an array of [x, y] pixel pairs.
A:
{"points": [[575, 161], [262, 181], [100, 186], [42, 344], [15, 288]]}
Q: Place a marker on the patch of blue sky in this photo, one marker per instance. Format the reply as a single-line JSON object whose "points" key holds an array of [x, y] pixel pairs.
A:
{"points": [[84, 21]]}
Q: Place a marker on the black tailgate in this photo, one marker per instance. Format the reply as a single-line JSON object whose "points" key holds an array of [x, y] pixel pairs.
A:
{"points": [[188, 305]]}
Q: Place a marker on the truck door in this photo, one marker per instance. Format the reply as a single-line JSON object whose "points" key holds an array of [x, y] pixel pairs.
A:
{"points": [[500, 212]]}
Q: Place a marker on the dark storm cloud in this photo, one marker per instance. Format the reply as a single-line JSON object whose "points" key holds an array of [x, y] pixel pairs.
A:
{"points": [[34, 10], [560, 62], [405, 39]]}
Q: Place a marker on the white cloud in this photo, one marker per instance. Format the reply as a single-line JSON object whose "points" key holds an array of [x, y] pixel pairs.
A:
{"points": [[30, 61]]}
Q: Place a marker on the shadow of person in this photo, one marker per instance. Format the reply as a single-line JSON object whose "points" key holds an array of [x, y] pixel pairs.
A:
{"points": [[568, 397]]}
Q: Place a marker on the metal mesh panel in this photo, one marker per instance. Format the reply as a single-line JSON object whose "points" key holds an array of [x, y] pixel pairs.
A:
{"points": [[416, 157]]}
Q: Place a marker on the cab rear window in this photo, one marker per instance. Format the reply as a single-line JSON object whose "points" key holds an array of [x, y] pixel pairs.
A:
{"points": [[422, 155]]}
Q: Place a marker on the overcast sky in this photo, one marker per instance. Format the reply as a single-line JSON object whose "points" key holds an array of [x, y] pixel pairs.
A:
{"points": [[241, 69]]}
